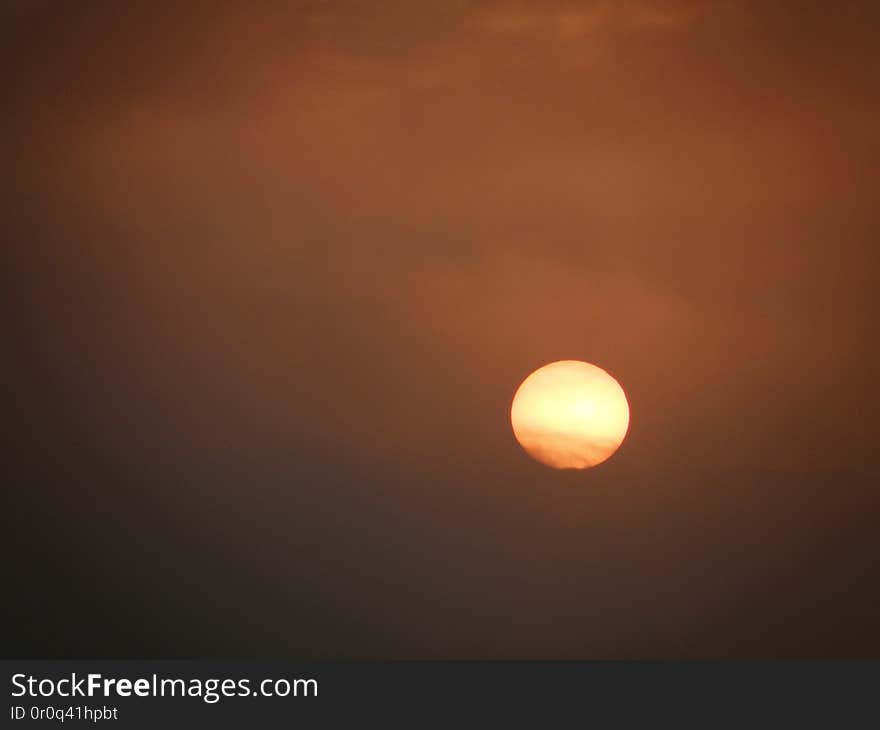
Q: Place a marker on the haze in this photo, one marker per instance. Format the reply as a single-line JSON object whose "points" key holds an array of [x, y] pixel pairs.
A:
{"points": [[276, 271]]}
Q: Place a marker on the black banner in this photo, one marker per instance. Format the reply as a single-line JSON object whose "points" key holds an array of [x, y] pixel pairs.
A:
{"points": [[239, 694]]}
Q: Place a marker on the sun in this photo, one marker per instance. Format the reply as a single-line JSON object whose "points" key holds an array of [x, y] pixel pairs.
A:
{"points": [[570, 415]]}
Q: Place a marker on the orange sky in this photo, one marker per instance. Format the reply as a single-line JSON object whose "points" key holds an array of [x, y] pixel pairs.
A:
{"points": [[678, 192], [344, 232]]}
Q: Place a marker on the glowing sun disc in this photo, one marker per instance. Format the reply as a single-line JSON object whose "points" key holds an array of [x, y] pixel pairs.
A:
{"points": [[570, 415]]}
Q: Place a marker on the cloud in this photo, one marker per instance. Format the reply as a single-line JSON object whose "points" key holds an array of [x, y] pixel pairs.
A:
{"points": [[447, 44], [573, 22]]}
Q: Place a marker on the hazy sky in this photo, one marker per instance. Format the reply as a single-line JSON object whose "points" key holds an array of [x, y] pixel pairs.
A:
{"points": [[276, 270]]}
